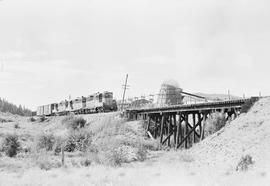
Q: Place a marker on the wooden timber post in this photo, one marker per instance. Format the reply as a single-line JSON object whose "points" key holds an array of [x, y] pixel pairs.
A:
{"points": [[186, 130], [156, 128], [174, 129], [162, 128], [194, 126], [200, 125], [149, 123], [169, 130], [177, 131]]}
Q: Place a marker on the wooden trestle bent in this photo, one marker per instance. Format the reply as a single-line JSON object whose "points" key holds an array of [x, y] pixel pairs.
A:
{"points": [[182, 126]]}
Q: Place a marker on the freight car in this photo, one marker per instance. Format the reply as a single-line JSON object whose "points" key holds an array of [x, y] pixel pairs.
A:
{"points": [[98, 102]]}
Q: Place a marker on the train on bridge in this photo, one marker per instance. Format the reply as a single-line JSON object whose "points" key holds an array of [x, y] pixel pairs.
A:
{"points": [[98, 102]]}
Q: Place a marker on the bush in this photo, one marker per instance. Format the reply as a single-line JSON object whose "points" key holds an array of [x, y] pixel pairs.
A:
{"points": [[45, 162], [58, 145], [114, 157], [86, 162], [244, 163], [16, 126], [141, 153], [74, 122], [31, 119], [41, 119], [119, 142], [45, 141], [11, 145], [5, 120], [214, 123], [78, 140]]}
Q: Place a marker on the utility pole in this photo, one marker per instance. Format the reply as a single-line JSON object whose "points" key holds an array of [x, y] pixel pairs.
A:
{"points": [[125, 87], [229, 94]]}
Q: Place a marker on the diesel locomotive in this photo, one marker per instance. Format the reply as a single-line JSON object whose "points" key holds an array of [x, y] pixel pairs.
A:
{"points": [[98, 102]]}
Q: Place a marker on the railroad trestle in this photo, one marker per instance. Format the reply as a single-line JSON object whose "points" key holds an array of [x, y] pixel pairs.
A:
{"points": [[182, 126]]}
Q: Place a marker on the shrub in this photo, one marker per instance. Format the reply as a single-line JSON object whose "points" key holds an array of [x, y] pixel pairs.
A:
{"points": [[31, 119], [115, 157], [41, 119], [214, 123], [74, 122], [78, 140], [58, 145], [119, 142], [16, 126], [86, 162], [45, 141], [141, 153], [244, 163], [11, 145], [5, 120], [45, 162]]}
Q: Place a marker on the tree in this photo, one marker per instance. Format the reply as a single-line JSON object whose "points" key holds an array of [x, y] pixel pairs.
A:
{"points": [[5, 106]]}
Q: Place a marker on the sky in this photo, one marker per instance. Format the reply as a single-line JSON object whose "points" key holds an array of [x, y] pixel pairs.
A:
{"points": [[50, 49]]}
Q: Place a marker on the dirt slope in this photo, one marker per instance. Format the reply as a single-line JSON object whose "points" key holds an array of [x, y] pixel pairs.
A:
{"points": [[247, 135]]}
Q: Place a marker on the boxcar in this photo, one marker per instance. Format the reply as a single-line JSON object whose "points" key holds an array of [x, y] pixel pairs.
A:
{"points": [[40, 111], [45, 110], [48, 109]]}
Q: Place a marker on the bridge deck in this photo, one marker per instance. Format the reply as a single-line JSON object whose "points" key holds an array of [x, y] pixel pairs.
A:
{"points": [[194, 107]]}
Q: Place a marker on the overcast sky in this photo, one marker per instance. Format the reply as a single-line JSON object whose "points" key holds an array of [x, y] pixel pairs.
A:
{"points": [[50, 49]]}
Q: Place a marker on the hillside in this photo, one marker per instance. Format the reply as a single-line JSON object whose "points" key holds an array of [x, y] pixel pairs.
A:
{"points": [[219, 160], [248, 134]]}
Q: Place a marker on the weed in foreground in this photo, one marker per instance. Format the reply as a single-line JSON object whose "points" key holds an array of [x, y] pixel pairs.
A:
{"points": [[11, 145], [45, 162], [78, 140], [244, 163], [45, 141], [16, 126], [73, 122]]}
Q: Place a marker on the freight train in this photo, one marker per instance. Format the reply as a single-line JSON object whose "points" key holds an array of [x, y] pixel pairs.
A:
{"points": [[98, 102]]}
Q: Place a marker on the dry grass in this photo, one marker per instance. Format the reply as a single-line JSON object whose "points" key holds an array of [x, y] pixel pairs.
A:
{"points": [[73, 122], [45, 141], [118, 142], [11, 145], [79, 140], [107, 140], [244, 163], [214, 123]]}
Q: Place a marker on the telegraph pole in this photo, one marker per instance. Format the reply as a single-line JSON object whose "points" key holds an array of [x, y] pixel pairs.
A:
{"points": [[229, 94], [125, 87]]}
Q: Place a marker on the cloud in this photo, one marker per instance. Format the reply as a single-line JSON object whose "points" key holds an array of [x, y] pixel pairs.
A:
{"points": [[83, 46]]}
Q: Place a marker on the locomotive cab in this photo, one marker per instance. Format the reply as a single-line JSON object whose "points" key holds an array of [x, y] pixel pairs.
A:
{"points": [[108, 103]]}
